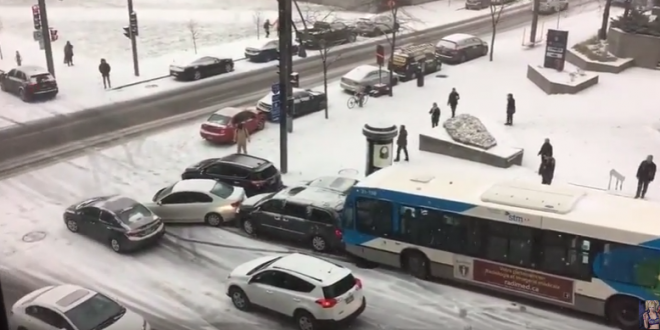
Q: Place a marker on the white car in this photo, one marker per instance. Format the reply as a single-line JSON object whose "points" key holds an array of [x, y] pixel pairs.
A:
{"points": [[365, 77], [71, 307], [314, 292], [197, 201]]}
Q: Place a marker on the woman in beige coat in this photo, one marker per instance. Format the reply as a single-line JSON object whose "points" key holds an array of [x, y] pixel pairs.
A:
{"points": [[241, 137]]}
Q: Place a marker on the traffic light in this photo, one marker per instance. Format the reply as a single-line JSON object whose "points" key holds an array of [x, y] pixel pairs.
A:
{"points": [[53, 35], [36, 17], [133, 23], [127, 32]]}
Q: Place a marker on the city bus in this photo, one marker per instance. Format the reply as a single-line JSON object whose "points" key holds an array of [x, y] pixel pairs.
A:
{"points": [[578, 248]]}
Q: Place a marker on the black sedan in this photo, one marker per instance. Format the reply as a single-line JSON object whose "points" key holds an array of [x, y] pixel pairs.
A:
{"points": [[202, 67], [266, 50], [305, 101], [122, 223]]}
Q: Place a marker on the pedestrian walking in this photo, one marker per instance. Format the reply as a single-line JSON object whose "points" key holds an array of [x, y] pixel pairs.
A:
{"points": [[267, 28], [402, 143], [510, 109], [19, 59], [546, 149], [645, 175], [68, 54], [241, 137], [435, 115], [547, 170], [104, 69], [452, 102]]}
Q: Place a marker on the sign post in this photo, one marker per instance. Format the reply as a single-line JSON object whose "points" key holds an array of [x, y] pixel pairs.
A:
{"points": [[275, 109], [555, 49]]}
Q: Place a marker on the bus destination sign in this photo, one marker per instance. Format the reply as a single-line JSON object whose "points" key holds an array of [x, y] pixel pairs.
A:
{"points": [[515, 279]]}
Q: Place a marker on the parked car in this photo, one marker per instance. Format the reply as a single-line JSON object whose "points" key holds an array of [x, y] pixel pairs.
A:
{"points": [[317, 294], [71, 307], [220, 127], [477, 4], [324, 34], [304, 214], [266, 50], [366, 76], [460, 47], [201, 67], [121, 222], [197, 201], [376, 25], [29, 82], [338, 184], [548, 7], [255, 175], [305, 101]]}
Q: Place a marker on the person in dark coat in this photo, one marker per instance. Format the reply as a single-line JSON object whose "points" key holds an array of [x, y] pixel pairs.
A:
{"points": [[510, 109], [267, 28], [18, 58], [402, 143], [435, 115], [68, 54], [452, 102], [104, 69], [547, 170], [645, 175], [546, 149]]}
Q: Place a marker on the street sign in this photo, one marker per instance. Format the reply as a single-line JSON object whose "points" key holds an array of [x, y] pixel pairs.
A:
{"points": [[275, 110], [36, 35], [275, 88]]}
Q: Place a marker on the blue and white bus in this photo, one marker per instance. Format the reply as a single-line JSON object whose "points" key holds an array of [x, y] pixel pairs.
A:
{"points": [[582, 249]]}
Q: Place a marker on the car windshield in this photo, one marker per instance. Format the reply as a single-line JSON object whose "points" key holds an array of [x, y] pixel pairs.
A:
{"points": [[133, 214], [446, 44], [162, 193], [200, 61], [264, 265], [97, 312], [222, 190], [219, 119], [41, 78]]}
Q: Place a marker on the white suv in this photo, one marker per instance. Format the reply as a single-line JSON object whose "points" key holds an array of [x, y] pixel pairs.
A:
{"points": [[314, 292]]}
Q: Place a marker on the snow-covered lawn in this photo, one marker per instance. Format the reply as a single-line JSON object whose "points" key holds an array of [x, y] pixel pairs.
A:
{"points": [[95, 30], [592, 132]]}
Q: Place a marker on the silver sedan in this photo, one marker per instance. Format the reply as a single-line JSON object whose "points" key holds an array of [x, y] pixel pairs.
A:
{"points": [[197, 201]]}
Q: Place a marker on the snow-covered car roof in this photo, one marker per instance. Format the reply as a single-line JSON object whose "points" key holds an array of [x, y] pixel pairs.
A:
{"points": [[229, 111], [359, 72], [32, 70], [190, 60], [319, 197], [269, 97], [456, 37]]}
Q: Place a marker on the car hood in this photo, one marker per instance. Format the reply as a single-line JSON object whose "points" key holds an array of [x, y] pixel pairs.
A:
{"points": [[130, 320], [245, 268], [268, 99], [254, 200]]}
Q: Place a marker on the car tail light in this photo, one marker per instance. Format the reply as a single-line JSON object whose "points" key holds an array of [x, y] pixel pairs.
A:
{"points": [[339, 234], [358, 283], [327, 303], [235, 204]]}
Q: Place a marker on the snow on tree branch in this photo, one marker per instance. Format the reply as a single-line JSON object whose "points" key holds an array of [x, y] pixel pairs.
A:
{"points": [[193, 28]]}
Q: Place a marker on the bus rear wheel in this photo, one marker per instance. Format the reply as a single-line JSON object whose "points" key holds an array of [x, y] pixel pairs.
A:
{"points": [[623, 312], [416, 264]]}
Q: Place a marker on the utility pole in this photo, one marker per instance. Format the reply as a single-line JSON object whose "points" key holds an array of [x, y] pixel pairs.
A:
{"points": [[285, 66], [132, 34], [4, 322], [395, 10], [535, 22], [45, 36]]}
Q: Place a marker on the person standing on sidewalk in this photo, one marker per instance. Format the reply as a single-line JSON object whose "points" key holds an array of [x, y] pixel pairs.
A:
{"points": [[19, 59], [452, 102], [104, 69]]}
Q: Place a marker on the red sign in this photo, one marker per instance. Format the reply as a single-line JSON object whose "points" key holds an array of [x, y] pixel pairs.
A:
{"points": [[524, 281], [380, 54]]}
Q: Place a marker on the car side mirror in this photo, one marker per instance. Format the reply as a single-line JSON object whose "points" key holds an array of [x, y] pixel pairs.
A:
{"points": [[159, 203]]}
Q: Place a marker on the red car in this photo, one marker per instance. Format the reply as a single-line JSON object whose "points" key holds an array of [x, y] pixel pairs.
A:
{"points": [[221, 125]]}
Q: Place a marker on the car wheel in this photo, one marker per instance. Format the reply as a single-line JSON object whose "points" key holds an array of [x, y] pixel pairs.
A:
{"points": [[416, 264], [229, 67], [213, 219], [319, 244], [352, 38], [485, 51], [239, 299], [22, 95], [115, 245], [72, 225], [305, 320], [248, 227], [197, 75], [261, 124], [463, 58]]}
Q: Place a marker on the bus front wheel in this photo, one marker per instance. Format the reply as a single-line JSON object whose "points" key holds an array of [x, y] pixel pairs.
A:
{"points": [[623, 311], [416, 264]]}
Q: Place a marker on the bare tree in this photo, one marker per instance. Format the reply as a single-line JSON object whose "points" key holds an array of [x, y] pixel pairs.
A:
{"points": [[193, 28], [1, 57], [602, 32], [495, 15], [257, 17]]}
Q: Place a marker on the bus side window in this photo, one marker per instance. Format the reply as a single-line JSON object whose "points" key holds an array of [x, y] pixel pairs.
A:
{"points": [[374, 217], [408, 226]]}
